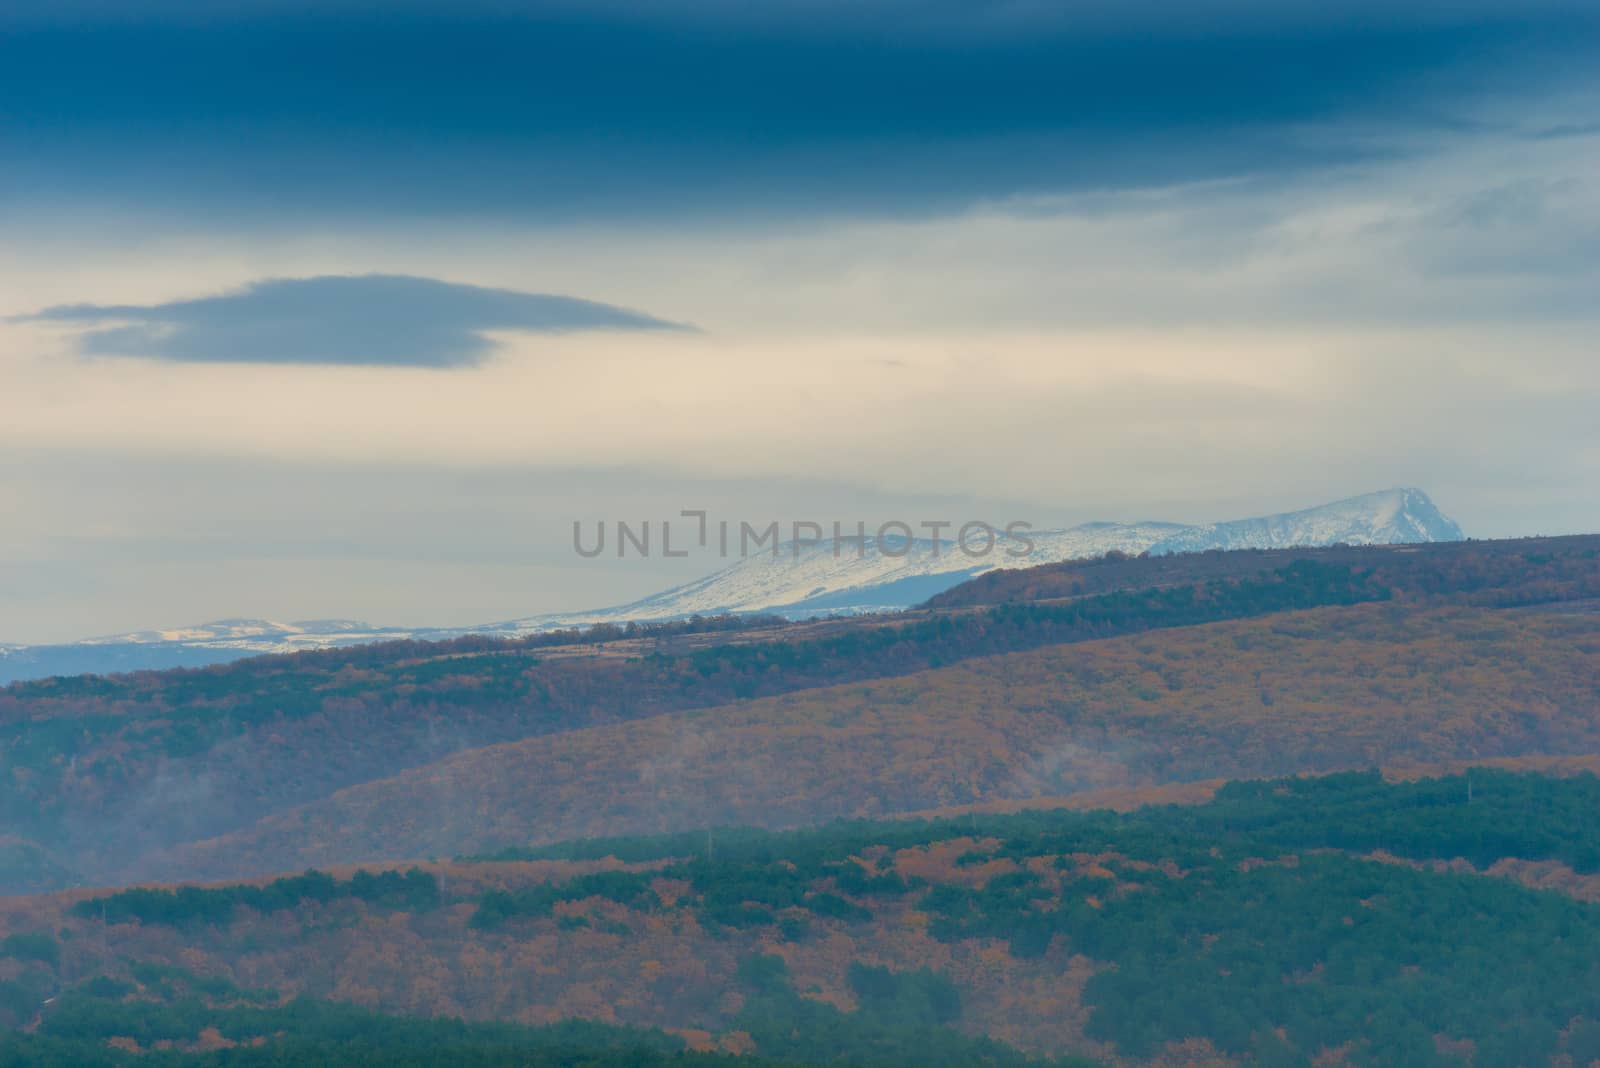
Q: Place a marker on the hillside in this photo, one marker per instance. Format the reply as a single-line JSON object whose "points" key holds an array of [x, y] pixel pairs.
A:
{"points": [[118, 772], [1069, 878], [1491, 573], [1348, 919], [1317, 690]]}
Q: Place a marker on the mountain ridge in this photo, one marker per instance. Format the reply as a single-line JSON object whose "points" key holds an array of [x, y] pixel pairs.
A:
{"points": [[799, 581]]}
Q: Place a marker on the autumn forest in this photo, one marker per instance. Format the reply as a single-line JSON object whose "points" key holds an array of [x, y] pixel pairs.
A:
{"points": [[1291, 807]]}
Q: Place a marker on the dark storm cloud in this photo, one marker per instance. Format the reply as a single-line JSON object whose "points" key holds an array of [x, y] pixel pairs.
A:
{"points": [[630, 110], [366, 320]]}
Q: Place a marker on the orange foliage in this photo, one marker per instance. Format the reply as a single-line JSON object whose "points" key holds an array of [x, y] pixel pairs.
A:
{"points": [[1309, 691]]}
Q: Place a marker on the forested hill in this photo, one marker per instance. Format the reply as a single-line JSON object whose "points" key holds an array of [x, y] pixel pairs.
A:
{"points": [[117, 773], [1508, 572], [1346, 919], [679, 851]]}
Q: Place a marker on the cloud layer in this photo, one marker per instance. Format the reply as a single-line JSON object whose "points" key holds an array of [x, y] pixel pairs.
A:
{"points": [[375, 319], [558, 111], [1112, 259]]}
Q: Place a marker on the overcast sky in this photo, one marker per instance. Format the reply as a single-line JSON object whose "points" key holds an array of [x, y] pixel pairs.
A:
{"points": [[327, 310]]}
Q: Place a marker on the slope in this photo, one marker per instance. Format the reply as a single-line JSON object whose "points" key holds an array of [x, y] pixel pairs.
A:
{"points": [[1340, 919], [1312, 690]]}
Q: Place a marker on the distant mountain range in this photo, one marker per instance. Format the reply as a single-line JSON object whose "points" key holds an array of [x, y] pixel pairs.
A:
{"points": [[796, 581]]}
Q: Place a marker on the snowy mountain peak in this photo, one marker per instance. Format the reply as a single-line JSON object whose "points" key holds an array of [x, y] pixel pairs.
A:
{"points": [[807, 579], [1388, 517], [236, 630], [814, 579]]}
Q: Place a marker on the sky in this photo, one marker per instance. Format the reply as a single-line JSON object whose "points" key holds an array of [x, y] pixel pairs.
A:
{"points": [[351, 310]]}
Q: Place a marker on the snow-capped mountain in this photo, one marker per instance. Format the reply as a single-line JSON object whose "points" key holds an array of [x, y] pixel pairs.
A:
{"points": [[1392, 517], [221, 632], [858, 575], [197, 646], [861, 576]]}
